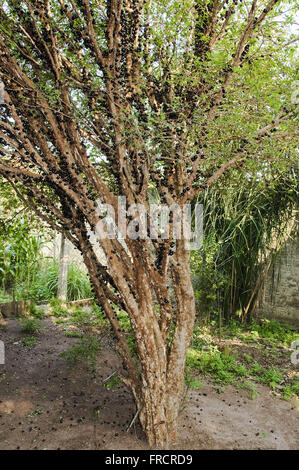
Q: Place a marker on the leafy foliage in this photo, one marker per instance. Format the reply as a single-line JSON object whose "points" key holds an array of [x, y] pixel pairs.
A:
{"points": [[242, 219]]}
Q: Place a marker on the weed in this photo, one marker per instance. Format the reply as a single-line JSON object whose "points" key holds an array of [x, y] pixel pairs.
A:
{"points": [[271, 377], [248, 358], [250, 386], [255, 369], [97, 411], [124, 321], [37, 412], [114, 382], [225, 367], [192, 382], [132, 345], [290, 391]]}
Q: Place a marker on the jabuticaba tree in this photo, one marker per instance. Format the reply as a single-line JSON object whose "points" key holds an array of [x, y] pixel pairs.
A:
{"points": [[123, 97]]}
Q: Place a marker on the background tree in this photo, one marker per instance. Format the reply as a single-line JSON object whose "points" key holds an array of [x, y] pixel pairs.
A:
{"points": [[107, 98]]}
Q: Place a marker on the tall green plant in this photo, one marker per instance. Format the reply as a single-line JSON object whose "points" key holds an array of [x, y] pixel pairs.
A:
{"points": [[22, 237], [46, 281], [19, 252], [245, 226]]}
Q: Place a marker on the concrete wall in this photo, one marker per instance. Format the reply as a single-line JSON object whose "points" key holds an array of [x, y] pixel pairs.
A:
{"points": [[280, 297]]}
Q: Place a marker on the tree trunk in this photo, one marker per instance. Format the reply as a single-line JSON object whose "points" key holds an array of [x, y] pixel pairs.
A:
{"points": [[164, 363], [162, 333], [63, 269]]}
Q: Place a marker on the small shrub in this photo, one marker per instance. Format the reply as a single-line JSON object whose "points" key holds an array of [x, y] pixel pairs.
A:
{"points": [[30, 325]]}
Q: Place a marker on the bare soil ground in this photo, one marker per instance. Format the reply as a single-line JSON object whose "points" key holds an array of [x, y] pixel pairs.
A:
{"points": [[45, 404]]}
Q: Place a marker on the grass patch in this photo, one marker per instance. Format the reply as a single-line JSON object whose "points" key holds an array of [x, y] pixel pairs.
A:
{"points": [[266, 331], [85, 351], [269, 339], [224, 369], [73, 334], [275, 331], [29, 341]]}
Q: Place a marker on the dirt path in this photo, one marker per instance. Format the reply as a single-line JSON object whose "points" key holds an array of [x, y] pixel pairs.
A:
{"points": [[46, 405]]}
